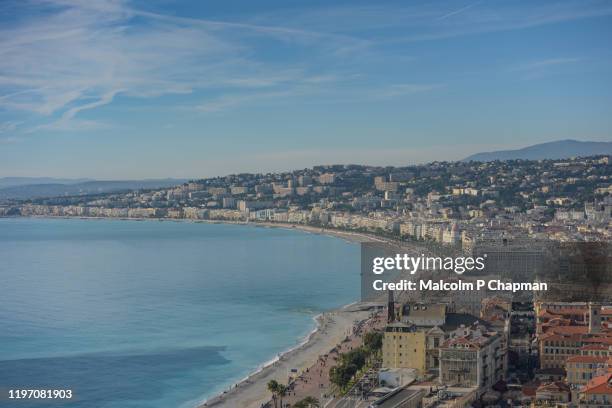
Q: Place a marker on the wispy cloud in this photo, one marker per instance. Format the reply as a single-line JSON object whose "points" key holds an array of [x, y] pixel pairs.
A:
{"points": [[67, 121], [70, 125], [71, 57], [398, 90], [458, 11], [234, 100], [103, 100], [77, 55], [9, 126], [314, 94], [545, 63], [433, 20], [9, 140], [539, 68]]}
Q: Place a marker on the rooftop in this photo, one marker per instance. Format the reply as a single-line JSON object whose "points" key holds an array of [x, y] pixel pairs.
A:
{"points": [[599, 385]]}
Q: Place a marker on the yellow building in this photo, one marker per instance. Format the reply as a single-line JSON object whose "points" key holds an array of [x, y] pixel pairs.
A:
{"points": [[404, 347]]}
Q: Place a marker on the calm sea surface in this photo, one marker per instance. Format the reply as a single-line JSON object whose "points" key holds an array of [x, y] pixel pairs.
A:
{"points": [[157, 314]]}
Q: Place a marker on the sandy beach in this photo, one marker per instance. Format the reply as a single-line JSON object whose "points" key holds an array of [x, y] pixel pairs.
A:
{"points": [[252, 392], [347, 235]]}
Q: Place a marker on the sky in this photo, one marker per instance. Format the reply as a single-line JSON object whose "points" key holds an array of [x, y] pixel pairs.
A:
{"points": [[118, 89]]}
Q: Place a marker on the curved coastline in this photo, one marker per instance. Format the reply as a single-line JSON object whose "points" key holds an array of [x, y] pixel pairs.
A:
{"points": [[351, 236], [330, 327], [318, 323]]}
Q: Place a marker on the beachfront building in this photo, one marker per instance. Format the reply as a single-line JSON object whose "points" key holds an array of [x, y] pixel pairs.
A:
{"points": [[430, 319], [404, 347], [414, 341]]}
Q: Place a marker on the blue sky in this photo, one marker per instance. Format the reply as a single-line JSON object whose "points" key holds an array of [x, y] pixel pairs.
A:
{"points": [[141, 89]]}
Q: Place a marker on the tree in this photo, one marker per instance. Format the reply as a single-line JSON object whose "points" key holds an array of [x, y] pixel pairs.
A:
{"points": [[355, 357], [281, 390], [342, 374], [273, 388], [308, 402], [373, 341]]}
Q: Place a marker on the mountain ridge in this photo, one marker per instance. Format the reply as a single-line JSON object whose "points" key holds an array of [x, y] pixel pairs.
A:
{"points": [[558, 149], [51, 189]]}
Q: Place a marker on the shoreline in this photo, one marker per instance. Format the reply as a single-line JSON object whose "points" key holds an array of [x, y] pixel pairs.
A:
{"points": [[351, 236], [331, 327], [251, 392], [319, 322]]}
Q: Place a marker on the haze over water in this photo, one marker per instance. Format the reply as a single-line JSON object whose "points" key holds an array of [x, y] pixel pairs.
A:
{"points": [[157, 314]]}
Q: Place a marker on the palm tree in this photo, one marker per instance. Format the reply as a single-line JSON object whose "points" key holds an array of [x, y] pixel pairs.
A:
{"points": [[281, 391], [273, 388]]}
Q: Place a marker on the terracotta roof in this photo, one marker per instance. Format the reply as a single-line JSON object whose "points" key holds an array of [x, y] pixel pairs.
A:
{"points": [[569, 329], [558, 321], [594, 346], [599, 385], [587, 359], [554, 386], [530, 389], [575, 334], [565, 311], [604, 338], [561, 337]]}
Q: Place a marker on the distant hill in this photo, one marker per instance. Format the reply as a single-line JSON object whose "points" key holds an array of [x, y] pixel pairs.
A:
{"points": [[24, 181], [50, 189], [560, 149]]}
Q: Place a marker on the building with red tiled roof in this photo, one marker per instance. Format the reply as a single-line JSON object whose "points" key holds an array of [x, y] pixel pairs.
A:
{"points": [[597, 392], [594, 347], [562, 337], [556, 391], [581, 369], [606, 316], [572, 314]]}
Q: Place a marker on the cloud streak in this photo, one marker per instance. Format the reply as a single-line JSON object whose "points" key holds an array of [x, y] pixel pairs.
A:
{"points": [[78, 55], [458, 11], [72, 57], [545, 63], [539, 68]]}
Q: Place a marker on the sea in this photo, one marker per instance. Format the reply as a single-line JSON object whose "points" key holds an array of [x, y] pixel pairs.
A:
{"points": [[157, 314]]}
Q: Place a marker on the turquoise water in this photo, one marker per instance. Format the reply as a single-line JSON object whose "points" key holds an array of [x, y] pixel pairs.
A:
{"points": [[157, 314]]}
